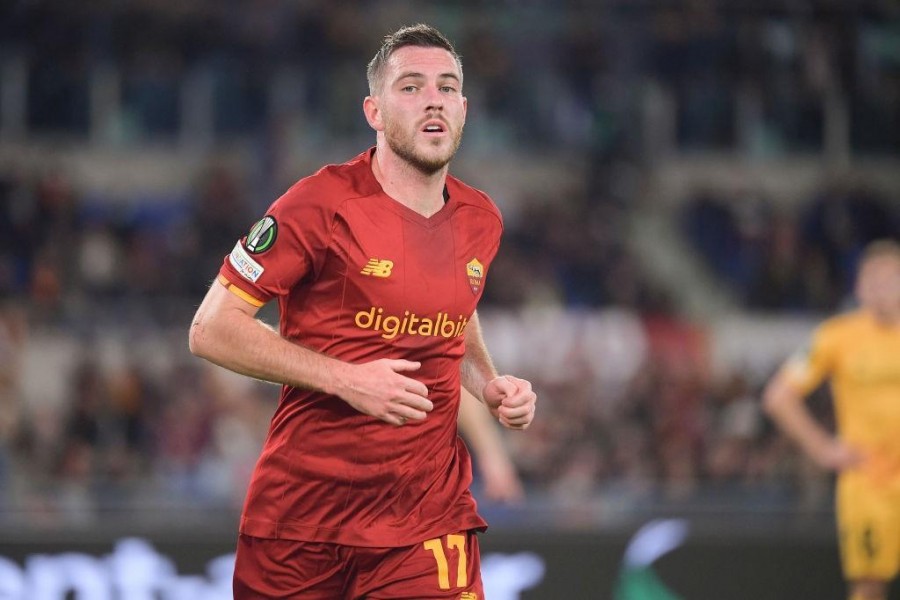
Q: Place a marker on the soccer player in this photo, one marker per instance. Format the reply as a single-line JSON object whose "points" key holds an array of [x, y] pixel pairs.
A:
{"points": [[859, 353], [362, 487]]}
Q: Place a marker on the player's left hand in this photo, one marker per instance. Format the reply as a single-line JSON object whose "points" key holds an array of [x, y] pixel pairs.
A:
{"points": [[500, 481], [511, 400]]}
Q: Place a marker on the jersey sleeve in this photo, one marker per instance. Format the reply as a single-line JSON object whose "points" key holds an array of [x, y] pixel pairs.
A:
{"points": [[809, 367], [284, 247]]}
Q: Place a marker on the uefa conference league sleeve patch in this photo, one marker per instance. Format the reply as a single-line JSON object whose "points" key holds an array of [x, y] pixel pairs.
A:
{"points": [[260, 239], [262, 235]]}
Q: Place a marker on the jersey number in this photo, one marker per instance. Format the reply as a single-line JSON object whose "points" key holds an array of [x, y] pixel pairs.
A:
{"points": [[454, 542]]}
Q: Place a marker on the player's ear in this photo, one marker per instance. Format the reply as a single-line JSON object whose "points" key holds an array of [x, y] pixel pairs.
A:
{"points": [[373, 113]]}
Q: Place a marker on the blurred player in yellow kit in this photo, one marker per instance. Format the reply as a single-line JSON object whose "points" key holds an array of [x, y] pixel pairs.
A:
{"points": [[859, 353]]}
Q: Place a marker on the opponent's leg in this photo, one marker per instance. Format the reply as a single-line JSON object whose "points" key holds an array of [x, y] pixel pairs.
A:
{"points": [[869, 527]]}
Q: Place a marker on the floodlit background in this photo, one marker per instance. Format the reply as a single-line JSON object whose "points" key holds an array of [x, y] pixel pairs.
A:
{"points": [[686, 186]]}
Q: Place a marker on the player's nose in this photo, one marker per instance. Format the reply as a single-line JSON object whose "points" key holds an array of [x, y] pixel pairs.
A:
{"points": [[434, 99]]}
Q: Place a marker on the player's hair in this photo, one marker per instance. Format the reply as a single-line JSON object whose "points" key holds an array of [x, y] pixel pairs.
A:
{"points": [[881, 248], [422, 35]]}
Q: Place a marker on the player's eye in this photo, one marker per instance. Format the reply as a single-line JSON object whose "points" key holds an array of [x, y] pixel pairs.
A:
{"points": [[448, 89], [408, 88]]}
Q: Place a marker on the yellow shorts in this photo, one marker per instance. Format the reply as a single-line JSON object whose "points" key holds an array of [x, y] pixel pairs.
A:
{"points": [[868, 517]]}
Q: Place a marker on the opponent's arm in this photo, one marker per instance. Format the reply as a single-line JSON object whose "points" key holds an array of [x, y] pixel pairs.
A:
{"points": [[501, 482], [787, 407], [509, 398], [226, 332]]}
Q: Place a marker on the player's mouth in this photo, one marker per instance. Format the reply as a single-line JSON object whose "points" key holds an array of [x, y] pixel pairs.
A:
{"points": [[434, 127]]}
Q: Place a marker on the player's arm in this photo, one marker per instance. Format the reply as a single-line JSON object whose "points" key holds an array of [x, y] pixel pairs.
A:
{"points": [[226, 332], [785, 403], [501, 481], [509, 398]]}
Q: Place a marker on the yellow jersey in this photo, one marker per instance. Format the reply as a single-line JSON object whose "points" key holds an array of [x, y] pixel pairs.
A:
{"points": [[861, 359]]}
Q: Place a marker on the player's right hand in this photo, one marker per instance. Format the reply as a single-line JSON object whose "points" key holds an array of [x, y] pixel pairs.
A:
{"points": [[379, 389], [837, 456]]}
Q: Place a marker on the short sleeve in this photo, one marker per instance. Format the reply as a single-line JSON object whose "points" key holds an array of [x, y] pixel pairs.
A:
{"points": [[284, 247], [809, 367]]}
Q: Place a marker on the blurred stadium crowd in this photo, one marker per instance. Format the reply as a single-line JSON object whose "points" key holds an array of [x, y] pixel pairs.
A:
{"points": [[777, 260], [101, 407]]}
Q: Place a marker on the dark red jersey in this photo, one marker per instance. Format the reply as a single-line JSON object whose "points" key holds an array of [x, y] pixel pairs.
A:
{"points": [[359, 276]]}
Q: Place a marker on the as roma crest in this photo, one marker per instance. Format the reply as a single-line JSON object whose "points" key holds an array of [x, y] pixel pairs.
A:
{"points": [[475, 274]]}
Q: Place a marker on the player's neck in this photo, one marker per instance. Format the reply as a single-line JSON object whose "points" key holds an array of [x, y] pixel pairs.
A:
{"points": [[407, 185], [886, 318]]}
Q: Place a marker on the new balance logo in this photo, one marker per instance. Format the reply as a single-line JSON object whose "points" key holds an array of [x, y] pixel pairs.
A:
{"points": [[378, 268], [468, 596]]}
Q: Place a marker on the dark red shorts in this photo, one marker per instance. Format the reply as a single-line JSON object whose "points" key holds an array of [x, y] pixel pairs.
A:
{"points": [[446, 567]]}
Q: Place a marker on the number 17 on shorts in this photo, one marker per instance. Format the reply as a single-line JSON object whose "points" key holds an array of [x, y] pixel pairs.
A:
{"points": [[457, 566]]}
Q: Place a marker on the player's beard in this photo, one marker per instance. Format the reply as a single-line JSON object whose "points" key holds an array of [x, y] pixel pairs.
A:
{"points": [[404, 146]]}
